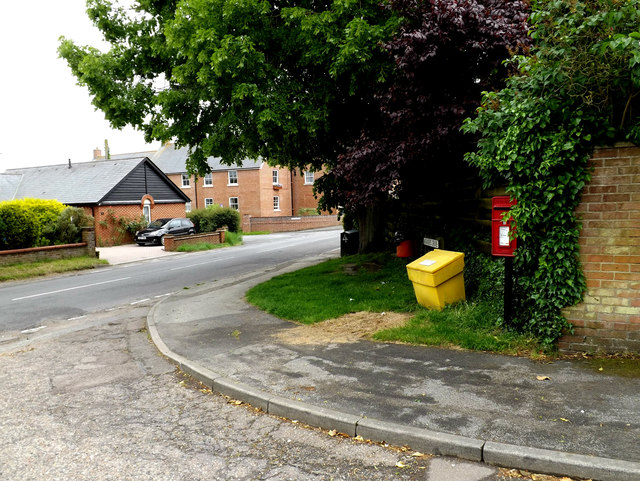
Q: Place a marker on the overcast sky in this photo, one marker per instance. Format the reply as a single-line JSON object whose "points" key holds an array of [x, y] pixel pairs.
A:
{"points": [[45, 118]]}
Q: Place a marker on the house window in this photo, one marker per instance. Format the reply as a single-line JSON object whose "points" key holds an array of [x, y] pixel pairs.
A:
{"points": [[208, 202], [233, 203], [308, 178], [146, 210], [276, 203], [186, 183], [232, 176], [187, 207], [208, 180], [275, 177]]}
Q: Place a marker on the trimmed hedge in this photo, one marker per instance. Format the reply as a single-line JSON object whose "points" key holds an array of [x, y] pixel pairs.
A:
{"points": [[28, 223], [212, 218], [18, 229]]}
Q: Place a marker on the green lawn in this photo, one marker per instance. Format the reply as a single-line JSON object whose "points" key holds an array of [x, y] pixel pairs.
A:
{"points": [[337, 287], [379, 283]]}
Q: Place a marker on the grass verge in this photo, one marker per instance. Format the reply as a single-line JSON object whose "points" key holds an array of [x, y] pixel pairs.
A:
{"points": [[13, 272], [379, 283], [231, 239], [465, 324], [361, 283]]}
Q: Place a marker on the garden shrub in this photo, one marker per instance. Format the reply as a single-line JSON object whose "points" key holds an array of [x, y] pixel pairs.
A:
{"points": [[122, 227], [212, 218], [19, 228], [69, 224], [44, 213]]}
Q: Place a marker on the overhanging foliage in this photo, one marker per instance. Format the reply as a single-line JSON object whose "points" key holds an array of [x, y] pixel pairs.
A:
{"points": [[577, 89]]}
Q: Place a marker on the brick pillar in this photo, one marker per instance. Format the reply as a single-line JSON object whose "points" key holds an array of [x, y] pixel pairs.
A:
{"points": [[221, 233], [169, 244], [89, 238], [246, 223]]}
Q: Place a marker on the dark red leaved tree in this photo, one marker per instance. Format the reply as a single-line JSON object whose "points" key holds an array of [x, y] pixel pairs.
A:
{"points": [[446, 53]]}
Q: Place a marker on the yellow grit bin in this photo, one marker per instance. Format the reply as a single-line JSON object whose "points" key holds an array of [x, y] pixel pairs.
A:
{"points": [[437, 278]]}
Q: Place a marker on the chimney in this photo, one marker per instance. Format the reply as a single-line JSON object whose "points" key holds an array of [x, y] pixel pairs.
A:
{"points": [[97, 153]]}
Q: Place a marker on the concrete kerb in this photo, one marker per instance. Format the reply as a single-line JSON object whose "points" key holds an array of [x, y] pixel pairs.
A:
{"points": [[420, 439], [560, 463]]}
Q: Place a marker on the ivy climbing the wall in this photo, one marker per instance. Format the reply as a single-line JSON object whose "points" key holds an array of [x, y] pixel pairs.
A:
{"points": [[577, 88]]}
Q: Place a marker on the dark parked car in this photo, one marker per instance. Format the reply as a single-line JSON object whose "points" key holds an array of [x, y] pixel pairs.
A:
{"points": [[155, 232]]}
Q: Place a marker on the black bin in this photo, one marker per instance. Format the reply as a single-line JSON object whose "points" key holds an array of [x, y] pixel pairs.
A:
{"points": [[349, 242]]}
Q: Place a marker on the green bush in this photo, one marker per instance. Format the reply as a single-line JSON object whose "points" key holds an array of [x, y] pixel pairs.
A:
{"points": [[43, 212], [212, 218], [69, 224], [19, 229]]}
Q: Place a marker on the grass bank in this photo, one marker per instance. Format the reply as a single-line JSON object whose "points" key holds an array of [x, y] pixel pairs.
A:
{"points": [[13, 272], [379, 283], [231, 239]]}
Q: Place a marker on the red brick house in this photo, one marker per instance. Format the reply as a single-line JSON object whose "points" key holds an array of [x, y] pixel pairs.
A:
{"points": [[254, 188], [113, 191]]}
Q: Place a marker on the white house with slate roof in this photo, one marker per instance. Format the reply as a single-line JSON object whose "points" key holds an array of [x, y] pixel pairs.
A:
{"points": [[112, 191]]}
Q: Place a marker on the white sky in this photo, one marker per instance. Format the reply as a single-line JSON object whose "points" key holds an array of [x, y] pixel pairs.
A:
{"points": [[45, 117]]}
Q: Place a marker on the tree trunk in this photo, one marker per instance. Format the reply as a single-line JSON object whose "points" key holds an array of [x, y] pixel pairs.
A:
{"points": [[371, 229]]}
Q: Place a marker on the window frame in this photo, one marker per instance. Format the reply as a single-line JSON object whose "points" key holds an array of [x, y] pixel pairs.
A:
{"points": [[306, 174], [210, 204], [146, 210], [231, 177], [186, 181], [275, 177], [234, 205], [276, 203], [207, 180]]}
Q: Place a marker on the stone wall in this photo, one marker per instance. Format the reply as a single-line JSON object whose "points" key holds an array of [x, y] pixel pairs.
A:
{"points": [[608, 319]]}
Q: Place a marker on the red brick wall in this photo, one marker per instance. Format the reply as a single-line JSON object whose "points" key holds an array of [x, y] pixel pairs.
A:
{"points": [[609, 317], [286, 224], [171, 243], [109, 233], [86, 248], [303, 193]]}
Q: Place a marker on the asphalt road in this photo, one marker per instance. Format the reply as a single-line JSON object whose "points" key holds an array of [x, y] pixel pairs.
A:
{"points": [[31, 304], [90, 398]]}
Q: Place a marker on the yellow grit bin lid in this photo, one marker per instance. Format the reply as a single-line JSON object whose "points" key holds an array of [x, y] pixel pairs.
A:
{"points": [[436, 267]]}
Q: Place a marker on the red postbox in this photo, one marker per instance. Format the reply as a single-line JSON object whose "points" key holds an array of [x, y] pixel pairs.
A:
{"points": [[502, 243]]}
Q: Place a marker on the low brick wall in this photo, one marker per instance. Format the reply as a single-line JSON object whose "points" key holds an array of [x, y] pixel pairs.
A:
{"points": [[171, 243], [608, 319], [34, 254], [286, 224]]}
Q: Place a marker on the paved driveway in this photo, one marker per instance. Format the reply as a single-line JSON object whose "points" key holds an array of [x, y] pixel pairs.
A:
{"points": [[132, 253]]}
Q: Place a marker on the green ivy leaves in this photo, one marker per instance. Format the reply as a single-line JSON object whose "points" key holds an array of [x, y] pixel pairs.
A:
{"points": [[572, 93]]}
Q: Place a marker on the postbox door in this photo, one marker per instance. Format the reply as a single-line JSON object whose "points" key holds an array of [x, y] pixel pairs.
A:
{"points": [[501, 242]]}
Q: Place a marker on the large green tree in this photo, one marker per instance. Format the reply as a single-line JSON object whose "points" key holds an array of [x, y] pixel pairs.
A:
{"points": [[290, 82]]}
